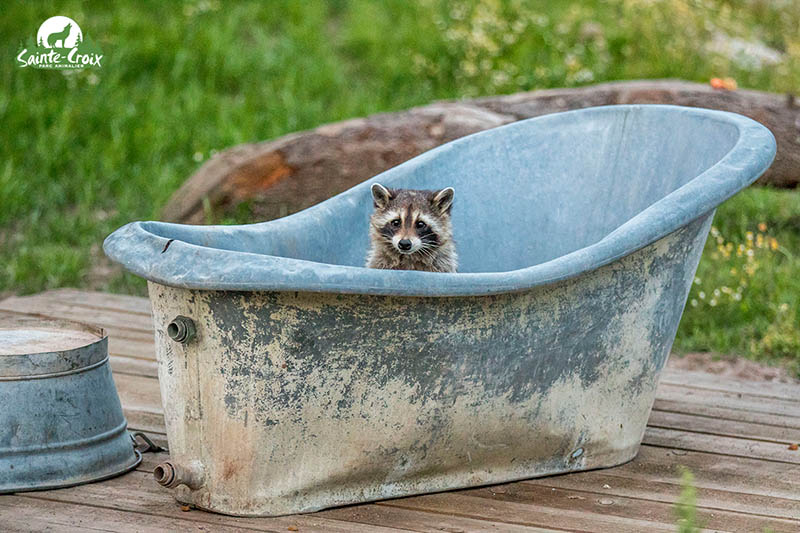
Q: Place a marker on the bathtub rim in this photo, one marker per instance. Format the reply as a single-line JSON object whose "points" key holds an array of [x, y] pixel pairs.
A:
{"points": [[142, 251]]}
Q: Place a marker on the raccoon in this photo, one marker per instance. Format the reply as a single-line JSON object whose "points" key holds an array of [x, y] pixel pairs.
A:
{"points": [[411, 230]]}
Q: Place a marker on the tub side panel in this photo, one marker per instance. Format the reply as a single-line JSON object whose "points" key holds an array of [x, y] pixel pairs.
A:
{"points": [[294, 402], [178, 372]]}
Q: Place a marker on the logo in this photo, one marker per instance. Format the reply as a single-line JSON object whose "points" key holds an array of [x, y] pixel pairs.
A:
{"points": [[60, 43]]}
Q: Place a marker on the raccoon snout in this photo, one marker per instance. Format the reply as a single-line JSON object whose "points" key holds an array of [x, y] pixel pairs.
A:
{"points": [[405, 245]]}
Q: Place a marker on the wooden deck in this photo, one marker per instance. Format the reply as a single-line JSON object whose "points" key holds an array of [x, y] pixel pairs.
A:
{"points": [[734, 436]]}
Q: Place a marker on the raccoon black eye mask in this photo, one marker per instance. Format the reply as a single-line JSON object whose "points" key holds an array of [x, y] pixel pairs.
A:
{"points": [[411, 230]]}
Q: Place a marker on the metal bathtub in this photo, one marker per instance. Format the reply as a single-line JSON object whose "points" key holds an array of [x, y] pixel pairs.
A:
{"points": [[294, 379]]}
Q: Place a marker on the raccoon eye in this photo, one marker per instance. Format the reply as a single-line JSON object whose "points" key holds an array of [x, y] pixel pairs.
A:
{"points": [[420, 224], [395, 223]]}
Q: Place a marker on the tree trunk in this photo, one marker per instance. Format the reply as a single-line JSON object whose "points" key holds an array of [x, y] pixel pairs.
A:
{"points": [[296, 171]]}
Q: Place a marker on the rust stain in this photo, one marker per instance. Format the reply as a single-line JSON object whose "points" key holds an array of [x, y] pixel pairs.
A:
{"points": [[230, 468]]}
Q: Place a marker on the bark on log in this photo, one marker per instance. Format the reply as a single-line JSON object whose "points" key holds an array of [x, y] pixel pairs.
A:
{"points": [[296, 171]]}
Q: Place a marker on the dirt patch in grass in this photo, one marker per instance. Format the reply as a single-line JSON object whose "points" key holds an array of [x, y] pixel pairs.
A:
{"points": [[731, 367]]}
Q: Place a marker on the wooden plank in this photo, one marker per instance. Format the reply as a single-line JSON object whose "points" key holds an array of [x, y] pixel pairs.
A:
{"points": [[623, 508], [712, 471], [131, 335], [686, 440], [414, 520], [107, 318], [141, 420], [25, 514], [564, 515], [728, 400], [141, 402], [609, 482], [713, 382], [137, 492], [102, 300], [724, 413], [135, 367], [138, 347], [139, 392], [717, 426], [6, 314]]}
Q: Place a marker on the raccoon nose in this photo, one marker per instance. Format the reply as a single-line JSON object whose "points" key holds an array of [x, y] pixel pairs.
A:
{"points": [[404, 245]]}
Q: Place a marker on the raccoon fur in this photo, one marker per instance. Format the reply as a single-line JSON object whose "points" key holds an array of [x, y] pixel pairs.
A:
{"points": [[411, 230]]}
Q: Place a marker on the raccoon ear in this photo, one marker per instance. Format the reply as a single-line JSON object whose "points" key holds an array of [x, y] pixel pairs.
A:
{"points": [[380, 195], [443, 200]]}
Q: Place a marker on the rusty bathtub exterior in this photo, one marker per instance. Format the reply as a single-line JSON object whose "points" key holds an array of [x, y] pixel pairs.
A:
{"points": [[295, 401], [291, 385]]}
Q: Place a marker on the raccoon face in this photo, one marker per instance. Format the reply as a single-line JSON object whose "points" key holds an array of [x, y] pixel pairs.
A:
{"points": [[411, 221]]}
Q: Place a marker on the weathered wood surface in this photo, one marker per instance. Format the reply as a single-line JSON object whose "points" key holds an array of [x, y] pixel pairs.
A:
{"points": [[291, 173], [734, 436]]}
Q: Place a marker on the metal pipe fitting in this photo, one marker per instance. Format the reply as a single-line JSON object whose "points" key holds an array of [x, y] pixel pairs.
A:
{"points": [[181, 329], [170, 475]]}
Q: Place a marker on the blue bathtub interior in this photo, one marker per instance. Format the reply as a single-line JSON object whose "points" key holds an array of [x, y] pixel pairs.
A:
{"points": [[526, 194]]}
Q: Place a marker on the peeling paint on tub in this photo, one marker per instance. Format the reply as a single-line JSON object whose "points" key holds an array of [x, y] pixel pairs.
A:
{"points": [[310, 400]]}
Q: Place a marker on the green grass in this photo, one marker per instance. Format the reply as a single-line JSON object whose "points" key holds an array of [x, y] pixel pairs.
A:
{"points": [[686, 506], [87, 151], [746, 294]]}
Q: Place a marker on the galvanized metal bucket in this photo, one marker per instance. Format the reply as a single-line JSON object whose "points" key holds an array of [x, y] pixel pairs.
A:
{"points": [[296, 379], [61, 421]]}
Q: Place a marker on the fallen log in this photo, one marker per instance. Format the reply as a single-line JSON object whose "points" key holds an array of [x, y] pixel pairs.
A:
{"points": [[296, 171]]}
